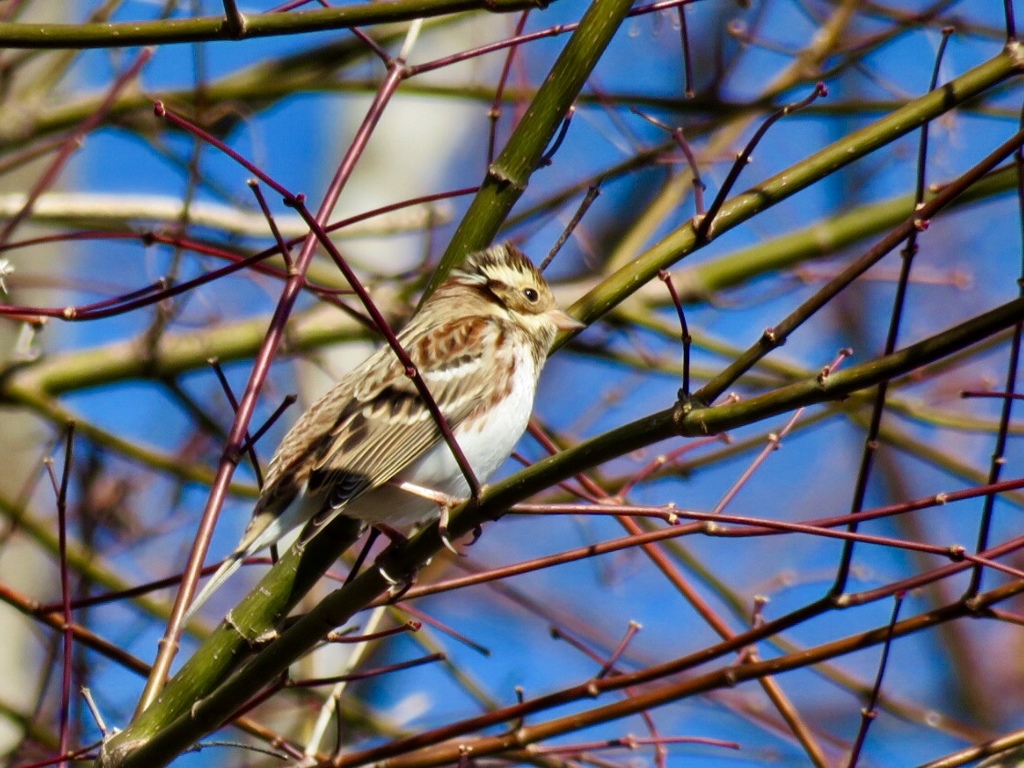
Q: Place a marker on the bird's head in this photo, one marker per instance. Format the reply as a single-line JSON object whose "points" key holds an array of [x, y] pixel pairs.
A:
{"points": [[506, 277]]}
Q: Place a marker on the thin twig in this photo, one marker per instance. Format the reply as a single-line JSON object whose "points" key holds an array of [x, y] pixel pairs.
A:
{"points": [[703, 231], [684, 38], [234, 19], [592, 192], [61, 491], [869, 712], [282, 246], [684, 332]]}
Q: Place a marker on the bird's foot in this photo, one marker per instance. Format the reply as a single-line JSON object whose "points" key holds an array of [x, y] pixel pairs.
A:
{"points": [[442, 530], [446, 504], [441, 499], [396, 586], [384, 562], [395, 536]]}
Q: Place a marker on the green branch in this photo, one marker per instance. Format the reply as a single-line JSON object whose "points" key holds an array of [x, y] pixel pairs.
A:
{"points": [[798, 177], [820, 240], [172, 355], [206, 28], [508, 176], [180, 716], [190, 706]]}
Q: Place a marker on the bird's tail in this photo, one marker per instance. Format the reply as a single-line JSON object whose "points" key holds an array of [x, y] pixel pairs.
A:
{"points": [[259, 534], [222, 574], [263, 529]]}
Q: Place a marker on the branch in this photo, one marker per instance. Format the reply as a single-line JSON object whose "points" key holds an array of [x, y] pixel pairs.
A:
{"points": [[204, 28], [195, 702], [783, 185], [509, 175]]}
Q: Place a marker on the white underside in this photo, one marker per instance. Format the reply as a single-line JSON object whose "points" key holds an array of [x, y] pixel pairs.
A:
{"points": [[486, 444]]}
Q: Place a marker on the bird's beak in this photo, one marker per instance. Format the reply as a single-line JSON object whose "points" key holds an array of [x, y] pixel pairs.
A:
{"points": [[564, 322]]}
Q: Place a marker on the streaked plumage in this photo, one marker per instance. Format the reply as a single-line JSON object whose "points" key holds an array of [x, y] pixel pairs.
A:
{"points": [[479, 343]]}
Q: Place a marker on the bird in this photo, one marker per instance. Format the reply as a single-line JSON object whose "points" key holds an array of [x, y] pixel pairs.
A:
{"points": [[370, 449]]}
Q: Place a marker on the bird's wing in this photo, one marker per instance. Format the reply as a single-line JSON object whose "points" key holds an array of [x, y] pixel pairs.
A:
{"points": [[385, 426], [370, 427]]}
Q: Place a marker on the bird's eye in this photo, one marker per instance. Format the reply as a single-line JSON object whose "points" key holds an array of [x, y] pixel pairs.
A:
{"points": [[531, 294]]}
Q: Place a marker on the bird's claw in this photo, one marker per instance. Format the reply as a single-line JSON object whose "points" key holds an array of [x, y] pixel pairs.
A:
{"points": [[442, 531], [387, 576], [396, 586], [445, 504]]}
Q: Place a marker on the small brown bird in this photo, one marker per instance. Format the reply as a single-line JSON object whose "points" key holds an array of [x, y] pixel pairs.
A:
{"points": [[369, 449]]}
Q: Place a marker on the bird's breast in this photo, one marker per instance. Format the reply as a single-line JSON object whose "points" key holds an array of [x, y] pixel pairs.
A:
{"points": [[487, 437]]}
